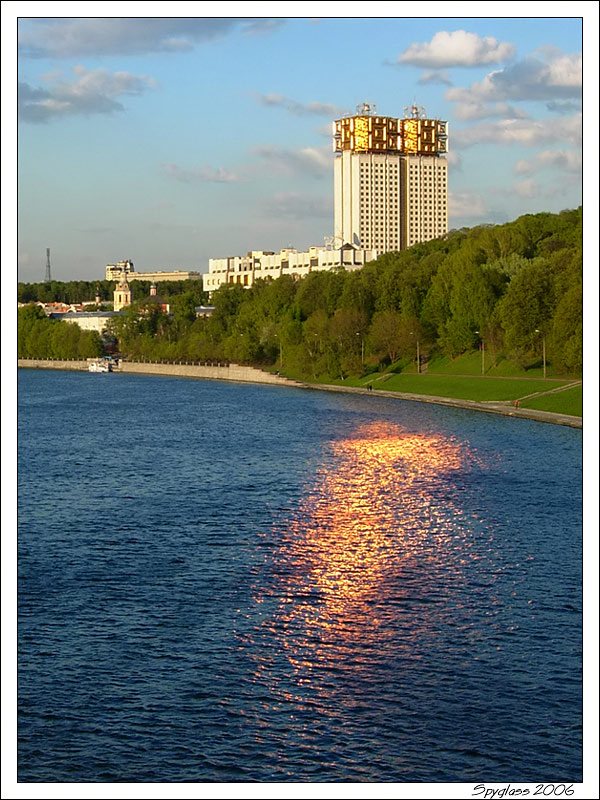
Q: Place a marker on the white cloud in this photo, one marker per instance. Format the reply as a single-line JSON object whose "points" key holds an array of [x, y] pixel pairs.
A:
{"points": [[564, 160], [314, 160], [457, 49], [531, 133], [475, 110], [204, 174], [465, 205], [294, 205], [454, 160], [435, 76], [88, 36], [563, 107], [558, 76], [528, 188], [300, 109], [93, 92]]}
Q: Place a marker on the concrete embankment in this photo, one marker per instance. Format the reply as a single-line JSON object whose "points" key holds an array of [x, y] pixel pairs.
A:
{"points": [[231, 372], [52, 363], [236, 372]]}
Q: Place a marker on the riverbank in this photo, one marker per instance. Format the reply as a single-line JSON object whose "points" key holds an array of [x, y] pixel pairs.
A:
{"points": [[221, 372], [490, 407], [239, 373]]}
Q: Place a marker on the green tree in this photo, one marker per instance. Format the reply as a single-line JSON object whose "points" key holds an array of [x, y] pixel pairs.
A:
{"points": [[386, 335], [527, 307], [566, 341]]}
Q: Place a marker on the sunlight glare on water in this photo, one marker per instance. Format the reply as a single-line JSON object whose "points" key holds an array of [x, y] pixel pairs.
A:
{"points": [[225, 582]]}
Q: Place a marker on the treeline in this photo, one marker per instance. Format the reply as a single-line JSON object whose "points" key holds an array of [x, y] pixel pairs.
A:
{"points": [[85, 291], [41, 337], [515, 287]]}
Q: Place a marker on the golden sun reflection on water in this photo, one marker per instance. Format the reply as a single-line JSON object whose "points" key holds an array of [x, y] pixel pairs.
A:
{"points": [[350, 527], [373, 513]]}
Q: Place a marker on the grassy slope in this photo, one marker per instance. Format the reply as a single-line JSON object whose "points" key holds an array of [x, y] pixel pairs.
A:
{"points": [[569, 401], [480, 389], [470, 364], [451, 378]]}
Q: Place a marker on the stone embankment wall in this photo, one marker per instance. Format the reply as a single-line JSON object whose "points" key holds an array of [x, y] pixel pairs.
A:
{"points": [[53, 363], [232, 372]]}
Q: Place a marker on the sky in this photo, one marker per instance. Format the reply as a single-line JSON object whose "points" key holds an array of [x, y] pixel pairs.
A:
{"points": [[172, 140]]}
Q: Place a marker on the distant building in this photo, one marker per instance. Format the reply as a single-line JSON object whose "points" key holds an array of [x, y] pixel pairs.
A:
{"points": [[390, 192], [88, 320], [119, 271], [390, 179], [261, 264], [122, 295], [204, 311], [155, 299], [125, 269]]}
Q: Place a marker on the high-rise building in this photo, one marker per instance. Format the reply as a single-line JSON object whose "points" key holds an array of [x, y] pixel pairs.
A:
{"points": [[390, 179]]}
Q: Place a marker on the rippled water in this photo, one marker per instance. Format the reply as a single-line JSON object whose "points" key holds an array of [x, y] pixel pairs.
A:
{"points": [[225, 582]]}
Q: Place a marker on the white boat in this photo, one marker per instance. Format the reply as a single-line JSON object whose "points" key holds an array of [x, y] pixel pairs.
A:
{"points": [[99, 365]]}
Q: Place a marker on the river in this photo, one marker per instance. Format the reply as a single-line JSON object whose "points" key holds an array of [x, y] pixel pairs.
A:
{"points": [[227, 582]]}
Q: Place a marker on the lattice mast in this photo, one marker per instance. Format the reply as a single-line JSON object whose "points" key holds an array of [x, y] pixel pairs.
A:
{"points": [[48, 277]]}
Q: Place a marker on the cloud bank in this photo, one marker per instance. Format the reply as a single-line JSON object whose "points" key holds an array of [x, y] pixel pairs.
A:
{"points": [[313, 160], [300, 109], [73, 38], [204, 174], [564, 160], [92, 92], [549, 75], [530, 133], [457, 49], [293, 205]]}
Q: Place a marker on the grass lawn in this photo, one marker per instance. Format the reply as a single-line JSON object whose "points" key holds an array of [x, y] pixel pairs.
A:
{"points": [[568, 402], [470, 364], [480, 389]]}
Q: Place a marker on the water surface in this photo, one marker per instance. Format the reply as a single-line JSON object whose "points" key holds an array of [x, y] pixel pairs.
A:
{"points": [[227, 582]]}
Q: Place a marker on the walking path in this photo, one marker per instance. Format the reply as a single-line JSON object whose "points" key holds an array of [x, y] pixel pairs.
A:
{"points": [[506, 408]]}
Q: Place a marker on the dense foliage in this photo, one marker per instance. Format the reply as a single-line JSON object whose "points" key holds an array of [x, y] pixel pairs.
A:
{"points": [[41, 337], [515, 287], [82, 291]]}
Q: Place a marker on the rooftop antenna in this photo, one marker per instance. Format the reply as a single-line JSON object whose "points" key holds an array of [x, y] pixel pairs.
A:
{"points": [[366, 109], [415, 112], [48, 278]]}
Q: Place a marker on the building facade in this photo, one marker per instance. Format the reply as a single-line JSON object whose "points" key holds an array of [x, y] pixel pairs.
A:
{"points": [[89, 321], [125, 269], [122, 295], [390, 179], [258, 264]]}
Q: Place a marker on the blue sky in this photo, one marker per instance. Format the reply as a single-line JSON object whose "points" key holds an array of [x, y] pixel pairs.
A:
{"points": [[172, 140]]}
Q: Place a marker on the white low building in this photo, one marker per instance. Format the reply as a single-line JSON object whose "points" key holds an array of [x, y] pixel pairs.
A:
{"points": [[124, 270], [261, 264], [89, 320]]}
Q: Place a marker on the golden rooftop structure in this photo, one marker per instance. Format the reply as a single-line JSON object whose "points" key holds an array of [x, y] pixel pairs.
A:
{"points": [[366, 132]]}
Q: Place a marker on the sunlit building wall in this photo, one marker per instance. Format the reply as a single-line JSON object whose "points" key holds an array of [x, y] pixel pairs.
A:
{"points": [[261, 264], [125, 270], [390, 180]]}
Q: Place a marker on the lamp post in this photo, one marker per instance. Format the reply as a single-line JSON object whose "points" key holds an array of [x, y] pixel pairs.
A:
{"points": [[482, 347], [412, 333], [543, 352], [362, 348]]}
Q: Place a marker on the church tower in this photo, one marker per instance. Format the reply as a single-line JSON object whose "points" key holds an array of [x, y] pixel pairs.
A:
{"points": [[122, 294]]}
